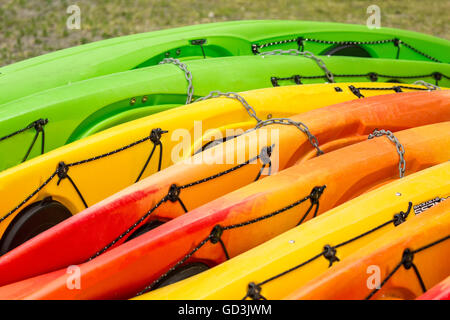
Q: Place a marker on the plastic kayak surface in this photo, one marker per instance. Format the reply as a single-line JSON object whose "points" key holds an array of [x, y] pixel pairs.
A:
{"points": [[208, 41], [441, 291], [73, 111], [298, 255], [243, 219], [103, 164], [81, 236], [410, 259]]}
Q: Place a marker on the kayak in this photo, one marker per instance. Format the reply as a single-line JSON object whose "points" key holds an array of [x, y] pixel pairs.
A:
{"points": [[242, 219], [441, 291], [298, 255], [214, 40], [407, 260], [52, 187], [210, 176], [55, 117]]}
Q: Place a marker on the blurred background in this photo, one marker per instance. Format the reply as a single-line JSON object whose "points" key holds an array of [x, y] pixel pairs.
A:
{"points": [[33, 27]]}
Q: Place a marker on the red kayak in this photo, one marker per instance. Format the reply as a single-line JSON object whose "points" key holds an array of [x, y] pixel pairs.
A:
{"points": [[80, 237], [441, 291]]}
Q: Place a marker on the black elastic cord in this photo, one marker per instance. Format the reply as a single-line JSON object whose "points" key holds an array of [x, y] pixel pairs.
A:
{"points": [[265, 155], [155, 137], [314, 198], [62, 172], [173, 195], [300, 42], [254, 292], [179, 263], [63, 168], [329, 252], [31, 146], [126, 232], [407, 263], [39, 127], [373, 77], [215, 236], [397, 44]]}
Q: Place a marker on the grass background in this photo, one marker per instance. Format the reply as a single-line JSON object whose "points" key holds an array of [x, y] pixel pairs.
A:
{"points": [[33, 27]]}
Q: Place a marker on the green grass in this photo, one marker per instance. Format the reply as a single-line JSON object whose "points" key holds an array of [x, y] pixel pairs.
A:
{"points": [[33, 27]]}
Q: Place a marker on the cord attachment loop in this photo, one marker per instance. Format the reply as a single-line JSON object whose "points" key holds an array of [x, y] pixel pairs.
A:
{"points": [[156, 134], [329, 253], [254, 292], [174, 193], [62, 171], [316, 193], [400, 217], [216, 234], [407, 259]]}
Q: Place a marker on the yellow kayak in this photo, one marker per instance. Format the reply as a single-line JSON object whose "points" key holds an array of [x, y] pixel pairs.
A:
{"points": [[285, 263], [52, 187], [403, 264]]}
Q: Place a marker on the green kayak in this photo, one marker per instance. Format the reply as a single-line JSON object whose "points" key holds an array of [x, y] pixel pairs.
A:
{"points": [[49, 119], [213, 40]]}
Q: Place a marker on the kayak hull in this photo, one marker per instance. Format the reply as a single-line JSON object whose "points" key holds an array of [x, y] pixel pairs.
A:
{"points": [[80, 237]]}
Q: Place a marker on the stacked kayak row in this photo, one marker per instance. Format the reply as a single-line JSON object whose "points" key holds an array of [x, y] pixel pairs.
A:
{"points": [[214, 40], [352, 237], [157, 181], [76, 92], [69, 179], [68, 113]]}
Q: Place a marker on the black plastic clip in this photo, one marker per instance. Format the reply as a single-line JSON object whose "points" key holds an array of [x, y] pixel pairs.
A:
{"points": [[216, 234], [437, 76], [39, 124], [255, 48], [407, 259], [174, 193], [155, 135], [297, 79], [400, 217], [330, 254], [254, 292], [265, 154], [396, 42], [199, 42], [300, 43], [356, 91], [62, 171], [316, 193], [274, 81], [216, 237], [373, 76]]}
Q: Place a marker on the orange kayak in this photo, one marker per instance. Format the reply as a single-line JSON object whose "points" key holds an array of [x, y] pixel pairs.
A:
{"points": [[243, 219], [80, 237], [399, 265]]}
